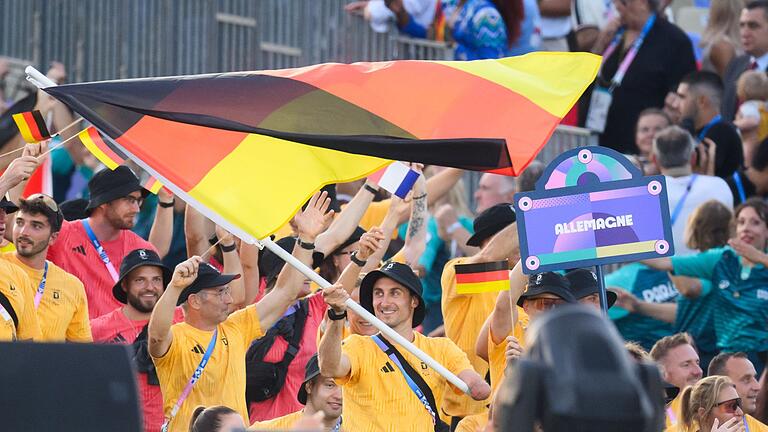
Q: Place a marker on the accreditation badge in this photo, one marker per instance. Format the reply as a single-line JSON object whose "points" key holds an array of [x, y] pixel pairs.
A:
{"points": [[599, 105]]}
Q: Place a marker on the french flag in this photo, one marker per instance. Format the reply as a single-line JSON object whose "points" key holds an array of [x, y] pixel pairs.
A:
{"points": [[396, 179]]}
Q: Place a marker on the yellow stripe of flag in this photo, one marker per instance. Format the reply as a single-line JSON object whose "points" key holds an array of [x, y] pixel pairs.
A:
{"points": [[21, 122]]}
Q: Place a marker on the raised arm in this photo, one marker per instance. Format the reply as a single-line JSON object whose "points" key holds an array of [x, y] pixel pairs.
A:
{"points": [[661, 311], [161, 233], [663, 264], [197, 230], [333, 363], [416, 236], [346, 222], [310, 222], [232, 265], [450, 229], [370, 242], [160, 336], [249, 259]]}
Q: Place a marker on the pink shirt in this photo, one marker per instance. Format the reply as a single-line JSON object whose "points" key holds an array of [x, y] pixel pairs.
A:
{"points": [[115, 327], [285, 402], [74, 252]]}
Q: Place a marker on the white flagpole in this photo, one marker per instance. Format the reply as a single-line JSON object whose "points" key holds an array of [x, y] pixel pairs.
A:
{"points": [[41, 81]]}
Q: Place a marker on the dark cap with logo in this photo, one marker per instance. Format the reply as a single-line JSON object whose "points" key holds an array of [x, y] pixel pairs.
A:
{"points": [[399, 273], [207, 277], [584, 283], [135, 259], [548, 283], [490, 222]]}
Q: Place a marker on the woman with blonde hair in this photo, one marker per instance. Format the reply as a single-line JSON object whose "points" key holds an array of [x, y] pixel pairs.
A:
{"points": [[720, 41], [711, 405]]}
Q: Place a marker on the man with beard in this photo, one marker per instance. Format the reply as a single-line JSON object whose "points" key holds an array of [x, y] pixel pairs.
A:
{"points": [[143, 277], [699, 95], [93, 248], [60, 302]]}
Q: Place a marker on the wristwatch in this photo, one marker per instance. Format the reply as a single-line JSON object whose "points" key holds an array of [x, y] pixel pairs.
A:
{"points": [[353, 257], [333, 316]]}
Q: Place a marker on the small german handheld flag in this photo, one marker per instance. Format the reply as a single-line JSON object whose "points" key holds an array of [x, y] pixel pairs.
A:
{"points": [[112, 157], [32, 126], [482, 277]]}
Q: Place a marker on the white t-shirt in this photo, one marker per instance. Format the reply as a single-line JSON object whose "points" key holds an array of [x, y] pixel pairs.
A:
{"points": [[422, 12], [703, 189]]}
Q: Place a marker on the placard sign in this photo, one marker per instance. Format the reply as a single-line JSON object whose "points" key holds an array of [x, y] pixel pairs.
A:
{"points": [[592, 207]]}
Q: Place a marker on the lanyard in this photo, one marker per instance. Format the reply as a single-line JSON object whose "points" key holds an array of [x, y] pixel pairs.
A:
{"points": [[672, 416], [679, 206], [739, 186], [408, 379], [618, 77], [195, 376], [41, 286], [337, 426], [100, 250], [706, 128], [746, 426]]}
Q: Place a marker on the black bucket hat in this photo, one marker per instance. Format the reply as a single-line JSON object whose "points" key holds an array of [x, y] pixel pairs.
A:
{"points": [[310, 371], [491, 221], [584, 283], [108, 185], [399, 273], [207, 277], [549, 283], [135, 259], [74, 209]]}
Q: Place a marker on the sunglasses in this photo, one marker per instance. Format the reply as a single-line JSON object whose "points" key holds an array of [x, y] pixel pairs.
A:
{"points": [[45, 199], [545, 303], [730, 406]]}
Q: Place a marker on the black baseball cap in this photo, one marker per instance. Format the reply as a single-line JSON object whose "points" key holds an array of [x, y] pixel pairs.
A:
{"points": [[310, 371], [399, 273], [207, 277], [491, 221], [8, 205], [135, 259], [108, 185], [549, 283], [584, 283]]}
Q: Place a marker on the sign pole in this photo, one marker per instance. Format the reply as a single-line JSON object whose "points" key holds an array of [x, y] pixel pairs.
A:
{"points": [[601, 289]]}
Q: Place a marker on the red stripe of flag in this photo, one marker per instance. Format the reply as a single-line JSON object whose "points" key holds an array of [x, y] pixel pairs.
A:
{"points": [[493, 276], [34, 127]]}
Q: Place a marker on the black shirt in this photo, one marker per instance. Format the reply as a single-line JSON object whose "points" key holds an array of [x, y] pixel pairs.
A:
{"points": [[729, 154], [749, 188], [664, 58]]}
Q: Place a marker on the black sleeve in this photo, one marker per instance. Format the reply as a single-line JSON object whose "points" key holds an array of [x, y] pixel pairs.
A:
{"points": [[683, 58], [729, 155]]}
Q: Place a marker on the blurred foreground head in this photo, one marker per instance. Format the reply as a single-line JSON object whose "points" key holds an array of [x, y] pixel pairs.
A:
{"points": [[577, 376]]}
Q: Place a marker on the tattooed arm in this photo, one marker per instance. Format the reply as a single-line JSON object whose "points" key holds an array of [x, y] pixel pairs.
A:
{"points": [[416, 237]]}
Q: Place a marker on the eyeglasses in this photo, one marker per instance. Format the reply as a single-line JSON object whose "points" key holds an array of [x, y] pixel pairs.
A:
{"points": [[544, 303], [45, 199], [130, 199], [221, 292], [730, 405]]}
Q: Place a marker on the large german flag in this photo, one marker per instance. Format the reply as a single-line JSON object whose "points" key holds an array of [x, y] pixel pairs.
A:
{"points": [[245, 144]]}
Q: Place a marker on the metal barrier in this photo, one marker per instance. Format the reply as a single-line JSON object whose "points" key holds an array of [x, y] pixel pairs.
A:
{"points": [[110, 39]]}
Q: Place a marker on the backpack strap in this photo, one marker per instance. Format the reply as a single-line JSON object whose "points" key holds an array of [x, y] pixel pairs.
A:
{"points": [[6, 304]]}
